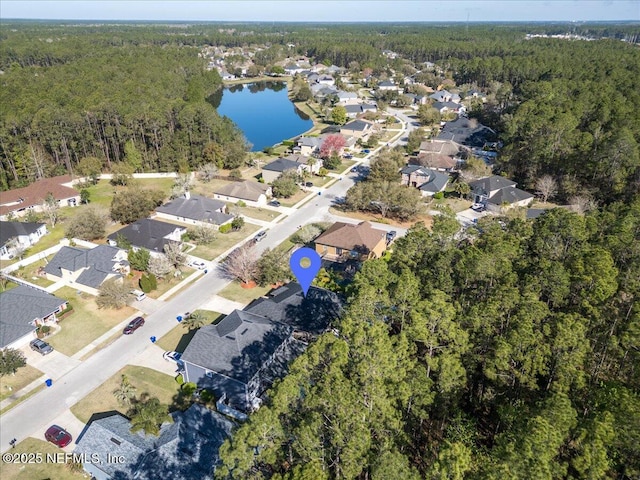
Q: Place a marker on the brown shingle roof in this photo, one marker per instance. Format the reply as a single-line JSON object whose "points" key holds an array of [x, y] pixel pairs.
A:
{"points": [[440, 147], [245, 190], [35, 194], [435, 160], [351, 237]]}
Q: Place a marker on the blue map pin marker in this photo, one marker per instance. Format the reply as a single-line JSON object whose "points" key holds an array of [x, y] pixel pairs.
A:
{"points": [[305, 275]]}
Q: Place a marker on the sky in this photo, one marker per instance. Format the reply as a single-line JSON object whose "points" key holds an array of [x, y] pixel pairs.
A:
{"points": [[324, 10]]}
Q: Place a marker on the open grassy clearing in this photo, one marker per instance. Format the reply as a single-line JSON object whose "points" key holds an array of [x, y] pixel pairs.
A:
{"points": [[32, 471], [144, 379], [10, 384], [223, 242], [235, 292], [86, 323], [179, 337]]}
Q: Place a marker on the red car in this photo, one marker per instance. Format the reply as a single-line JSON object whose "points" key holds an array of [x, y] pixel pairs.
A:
{"points": [[58, 436], [134, 324]]}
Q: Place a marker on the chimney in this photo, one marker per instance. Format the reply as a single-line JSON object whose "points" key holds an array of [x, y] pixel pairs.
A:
{"points": [[187, 195]]}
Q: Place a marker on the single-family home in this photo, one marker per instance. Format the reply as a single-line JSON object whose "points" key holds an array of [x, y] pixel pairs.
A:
{"points": [[326, 80], [353, 110], [428, 181], [349, 241], [387, 86], [443, 107], [22, 310], [347, 98], [308, 145], [307, 163], [445, 96], [186, 449], [19, 235], [87, 269], [293, 68], [312, 313], [357, 128], [252, 193], [150, 234], [19, 201], [196, 210], [273, 170], [230, 357], [497, 193], [466, 131], [435, 161]]}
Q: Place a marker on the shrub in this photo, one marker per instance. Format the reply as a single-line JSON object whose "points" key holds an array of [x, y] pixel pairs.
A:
{"points": [[188, 389], [148, 283], [226, 228], [237, 223], [206, 396], [235, 174], [240, 203], [439, 196]]}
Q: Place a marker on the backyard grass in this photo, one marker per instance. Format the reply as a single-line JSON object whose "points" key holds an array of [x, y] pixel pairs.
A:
{"points": [[235, 292], [102, 192], [145, 380], [179, 337], [223, 242], [86, 323], [10, 384], [31, 471], [29, 273]]}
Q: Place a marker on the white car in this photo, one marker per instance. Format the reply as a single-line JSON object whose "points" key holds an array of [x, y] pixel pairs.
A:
{"points": [[198, 264], [172, 356], [478, 207]]}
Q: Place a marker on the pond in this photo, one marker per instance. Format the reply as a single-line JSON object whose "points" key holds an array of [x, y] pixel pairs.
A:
{"points": [[263, 112]]}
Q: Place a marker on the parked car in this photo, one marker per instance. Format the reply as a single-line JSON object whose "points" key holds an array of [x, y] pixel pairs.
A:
{"points": [[478, 207], [58, 436], [172, 357], [391, 236], [308, 184], [139, 294], [198, 264], [40, 346], [133, 325], [259, 236], [366, 150], [355, 169], [347, 156], [274, 203]]}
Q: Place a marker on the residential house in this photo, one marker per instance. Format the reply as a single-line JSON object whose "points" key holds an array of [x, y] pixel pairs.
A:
{"points": [[19, 235], [444, 107], [435, 161], [252, 193], [466, 131], [497, 193], [347, 98], [196, 210], [346, 240], [357, 128], [293, 68], [19, 201], [387, 86], [308, 145], [353, 111], [308, 164], [187, 449], [326, 80], [428, 181], [230, 357], [150, 234], [445, 96], [22, 310], [87, 270], [334, 69], [273, 170], [310, 314]]}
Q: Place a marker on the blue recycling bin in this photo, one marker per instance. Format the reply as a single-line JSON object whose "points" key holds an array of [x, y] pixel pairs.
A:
{"points": [[48, 382], [153, 339], [179, 318]]}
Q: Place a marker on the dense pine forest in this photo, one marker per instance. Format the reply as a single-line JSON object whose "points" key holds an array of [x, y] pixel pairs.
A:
{"points": [[511, 353]]}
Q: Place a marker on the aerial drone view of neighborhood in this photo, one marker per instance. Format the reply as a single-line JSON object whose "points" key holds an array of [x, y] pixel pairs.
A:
{"points": [[339, 247]]}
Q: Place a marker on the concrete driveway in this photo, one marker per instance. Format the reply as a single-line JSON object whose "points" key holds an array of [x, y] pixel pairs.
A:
{"points": [[53, 365]]}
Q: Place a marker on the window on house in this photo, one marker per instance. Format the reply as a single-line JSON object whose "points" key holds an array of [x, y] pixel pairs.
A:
{"points": [[338, 251]]}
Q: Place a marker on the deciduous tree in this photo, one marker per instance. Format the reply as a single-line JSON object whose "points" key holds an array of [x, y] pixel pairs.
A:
{"points": [[241, 264], [88, 224], [10, 361], [113, 294]]}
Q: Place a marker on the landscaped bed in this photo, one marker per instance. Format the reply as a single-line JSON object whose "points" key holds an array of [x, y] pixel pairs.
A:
{"points": [[145, 380]]}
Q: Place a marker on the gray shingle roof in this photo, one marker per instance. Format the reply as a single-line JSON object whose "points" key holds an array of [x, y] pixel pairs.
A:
{"points": [[98, 261], [197, 207], [146, 233], [490, 184], [187, 449], [10, 230], [434, 181], [466, 131], [245, 190], [19, 307], [313, 313], [509, 195], [281, 165], [357, 125], [238, 346]]}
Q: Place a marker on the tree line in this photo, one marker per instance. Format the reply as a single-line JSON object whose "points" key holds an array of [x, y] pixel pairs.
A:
{"points": [[511, 353]]}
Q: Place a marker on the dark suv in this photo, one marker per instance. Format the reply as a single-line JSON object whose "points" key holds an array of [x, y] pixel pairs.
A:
{"points": [[134, 324], [40, 346]]}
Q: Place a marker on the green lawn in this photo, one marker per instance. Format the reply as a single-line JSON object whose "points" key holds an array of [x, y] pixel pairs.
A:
{"points": [[179, 337], [32, 471], [235, 292], [29, 273], [145, 380], [223, 242], [10, 384], [164, 284], [86, 323], [101, 193], [291, 201], [258, 213]]}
